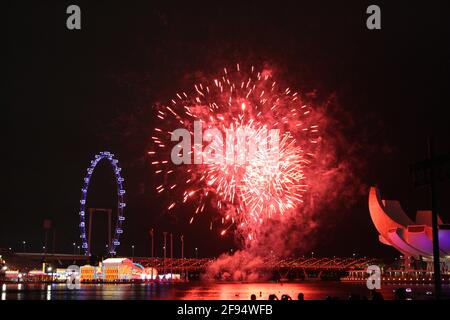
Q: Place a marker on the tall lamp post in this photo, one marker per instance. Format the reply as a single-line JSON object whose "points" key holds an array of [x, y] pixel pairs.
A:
{"points": [[428, 173], [47, 225], [152, 233], [182, 254], [132, 251], [165, 247], [182, 246], [171, 255], [434, 223]]}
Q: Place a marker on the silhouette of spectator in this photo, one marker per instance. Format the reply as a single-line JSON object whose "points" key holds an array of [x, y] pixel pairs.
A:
{"points": [[273, 297], [400, 294], [328, 298], [286, 297], [301, 296], [376, 296], [253, 297]]}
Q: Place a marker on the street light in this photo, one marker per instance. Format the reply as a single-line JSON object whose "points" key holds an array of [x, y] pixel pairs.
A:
{"points": [[152, 233], [182, 255], [132, 251], [74, 246], [182, 246], [196, 253], [49, 270], [165, 245], [164, 261], [312, 254], [24, 243]]}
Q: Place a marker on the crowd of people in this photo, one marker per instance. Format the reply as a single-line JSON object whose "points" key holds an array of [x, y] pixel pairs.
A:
{"points": [[400, 294], [300, 296]]}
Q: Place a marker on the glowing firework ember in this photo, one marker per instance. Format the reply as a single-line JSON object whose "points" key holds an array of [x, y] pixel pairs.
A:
{"points": [[245, 189]]}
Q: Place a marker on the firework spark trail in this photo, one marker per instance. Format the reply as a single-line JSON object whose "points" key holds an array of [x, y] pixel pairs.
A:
{"points": [[245, 192]]}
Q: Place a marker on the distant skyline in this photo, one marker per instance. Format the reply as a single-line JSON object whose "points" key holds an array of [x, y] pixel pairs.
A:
{"points": [[75, 93]]}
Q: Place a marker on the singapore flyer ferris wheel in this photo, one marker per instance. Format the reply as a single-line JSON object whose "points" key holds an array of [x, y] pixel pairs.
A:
{"points": [[120, 203]]}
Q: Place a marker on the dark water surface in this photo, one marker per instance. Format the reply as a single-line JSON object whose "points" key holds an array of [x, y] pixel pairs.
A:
{"points": [[199, 291]]}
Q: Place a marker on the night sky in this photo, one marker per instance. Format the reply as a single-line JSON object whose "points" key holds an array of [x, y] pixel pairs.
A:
{"points": [[72, 94]]}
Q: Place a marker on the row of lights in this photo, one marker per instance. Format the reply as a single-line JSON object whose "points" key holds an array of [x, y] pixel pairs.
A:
{"points": [[43, 247], [399, 279], [74, 245], [334, 257]]}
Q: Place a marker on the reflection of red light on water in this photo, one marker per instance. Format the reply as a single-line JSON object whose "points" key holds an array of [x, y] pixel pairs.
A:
{"points": [[243, 291], [312, 290]]}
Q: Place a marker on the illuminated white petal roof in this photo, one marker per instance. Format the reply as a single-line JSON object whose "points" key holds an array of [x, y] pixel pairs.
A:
{"points": [[398, 230]]}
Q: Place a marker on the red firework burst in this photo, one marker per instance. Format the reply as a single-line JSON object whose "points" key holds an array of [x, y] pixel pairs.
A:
{"points": [[245, 190]]}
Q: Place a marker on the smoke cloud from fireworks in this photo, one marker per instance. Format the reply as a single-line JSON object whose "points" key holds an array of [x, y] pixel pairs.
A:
{"points": [[245, 190]]}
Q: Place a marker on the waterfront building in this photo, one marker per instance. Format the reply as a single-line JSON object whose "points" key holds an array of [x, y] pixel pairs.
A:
{"points": [[413, 239], [88, 273]]}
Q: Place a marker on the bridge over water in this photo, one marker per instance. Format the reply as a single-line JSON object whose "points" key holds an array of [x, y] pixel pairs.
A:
{"points": [[294, 264], [284, 266]]}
